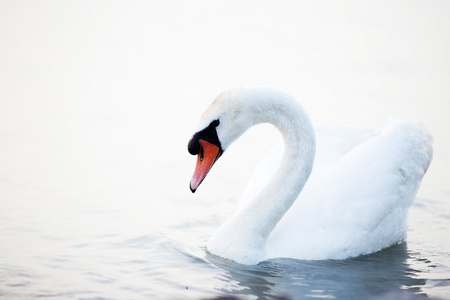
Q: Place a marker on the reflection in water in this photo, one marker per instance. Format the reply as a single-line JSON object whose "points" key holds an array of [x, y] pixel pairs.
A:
{"points": [[95, 114], [354, 278]]}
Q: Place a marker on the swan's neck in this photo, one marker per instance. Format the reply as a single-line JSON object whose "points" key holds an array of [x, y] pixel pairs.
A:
{"points": [[243, 238]]}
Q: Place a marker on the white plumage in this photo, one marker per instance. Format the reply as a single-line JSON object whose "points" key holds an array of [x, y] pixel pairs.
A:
{"points": [[330, 192]]}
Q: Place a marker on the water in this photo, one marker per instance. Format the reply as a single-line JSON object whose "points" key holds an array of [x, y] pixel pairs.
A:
{"points": [[98, 102], [126, 247]]}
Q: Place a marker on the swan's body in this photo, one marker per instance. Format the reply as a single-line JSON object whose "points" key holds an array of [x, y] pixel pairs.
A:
{"points": [[355, 201]]}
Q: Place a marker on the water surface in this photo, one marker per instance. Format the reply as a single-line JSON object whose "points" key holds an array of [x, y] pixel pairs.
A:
{"points": [[99, 99]]}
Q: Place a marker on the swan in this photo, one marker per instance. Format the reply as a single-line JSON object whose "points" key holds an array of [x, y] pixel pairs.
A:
{"points": [[348, 197]]}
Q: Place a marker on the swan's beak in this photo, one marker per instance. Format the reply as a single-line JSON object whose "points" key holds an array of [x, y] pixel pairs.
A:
{"points": [[207, 156]]}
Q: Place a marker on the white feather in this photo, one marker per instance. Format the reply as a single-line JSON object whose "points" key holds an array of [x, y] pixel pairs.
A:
{"points": [[354, 202]]}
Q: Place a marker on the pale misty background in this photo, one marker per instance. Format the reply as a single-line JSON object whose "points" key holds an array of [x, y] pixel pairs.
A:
{"points": [[98, 100]]}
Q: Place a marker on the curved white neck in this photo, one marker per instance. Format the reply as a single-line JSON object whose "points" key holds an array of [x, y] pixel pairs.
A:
{"points": [[246, 233]]}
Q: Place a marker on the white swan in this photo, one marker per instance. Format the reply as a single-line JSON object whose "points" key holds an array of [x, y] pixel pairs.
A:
{"points": [[355, 201]]}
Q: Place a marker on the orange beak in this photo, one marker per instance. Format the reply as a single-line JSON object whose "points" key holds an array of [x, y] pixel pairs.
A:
{"points": [[207, 156]]}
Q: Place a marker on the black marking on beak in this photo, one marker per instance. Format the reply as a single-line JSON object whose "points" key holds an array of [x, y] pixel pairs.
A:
{"points": [[208, 134]]}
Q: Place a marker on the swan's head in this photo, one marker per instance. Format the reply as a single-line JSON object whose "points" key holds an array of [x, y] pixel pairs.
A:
{"points": [[221, 124]]}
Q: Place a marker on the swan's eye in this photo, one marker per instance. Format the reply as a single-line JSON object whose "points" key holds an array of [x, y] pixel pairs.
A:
{"points": [[215, 123], [208, 134], [201, 153]]}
